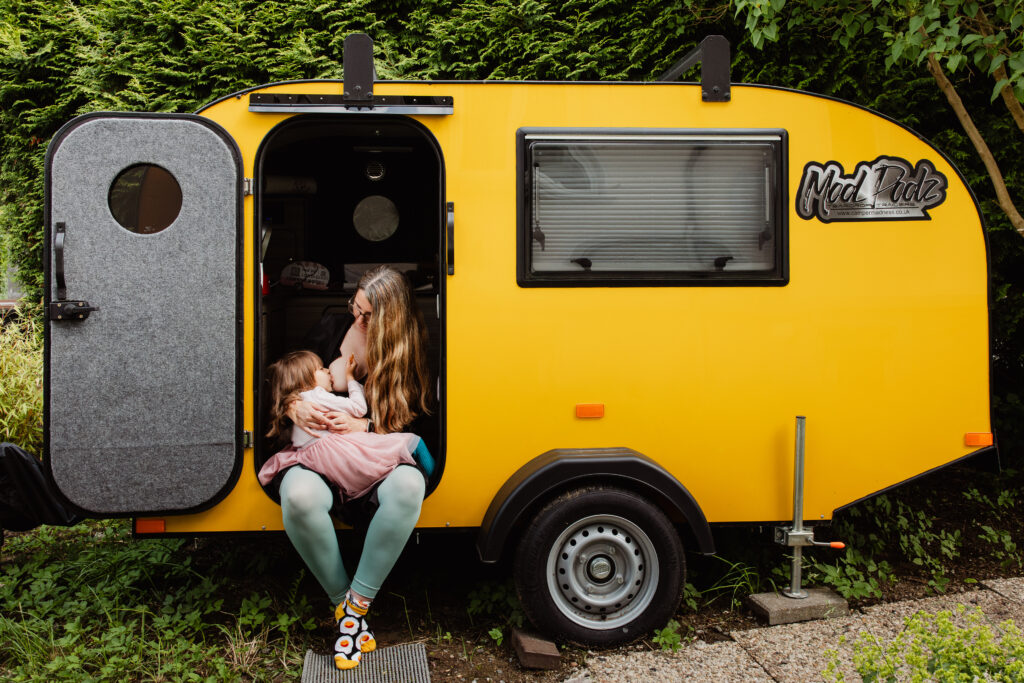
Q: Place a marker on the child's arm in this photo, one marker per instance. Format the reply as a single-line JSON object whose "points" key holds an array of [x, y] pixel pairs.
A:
{"points": [[356, 396], [353, 406], [355, 389]]}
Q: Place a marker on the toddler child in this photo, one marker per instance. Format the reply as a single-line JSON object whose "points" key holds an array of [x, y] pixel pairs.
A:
{"points": [[355, 461]]}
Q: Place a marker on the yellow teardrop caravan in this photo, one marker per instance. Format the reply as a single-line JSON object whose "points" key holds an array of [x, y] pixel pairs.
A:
{"points": [[632, 290]]}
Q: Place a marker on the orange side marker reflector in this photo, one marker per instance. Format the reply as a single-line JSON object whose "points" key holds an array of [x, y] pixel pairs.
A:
{"points": [[150, 526], [978, 439], [589, 410]]}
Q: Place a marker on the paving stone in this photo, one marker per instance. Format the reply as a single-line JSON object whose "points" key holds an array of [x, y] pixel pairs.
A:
{"points": [[535, 652], [820, 603]]}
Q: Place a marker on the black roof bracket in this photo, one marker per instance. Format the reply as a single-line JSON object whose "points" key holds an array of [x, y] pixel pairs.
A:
{"points": [[713, 55], [359, 71]]}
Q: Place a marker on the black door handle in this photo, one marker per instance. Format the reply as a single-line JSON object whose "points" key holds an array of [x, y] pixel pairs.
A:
{"points": [[62, 309], [58, 250], [451, 237]]}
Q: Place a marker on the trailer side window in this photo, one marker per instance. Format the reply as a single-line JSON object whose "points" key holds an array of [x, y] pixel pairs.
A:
{"points": [[678, 208]]}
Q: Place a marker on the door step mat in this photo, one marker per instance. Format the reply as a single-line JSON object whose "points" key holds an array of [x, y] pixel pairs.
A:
{"points": [[396, 664]]}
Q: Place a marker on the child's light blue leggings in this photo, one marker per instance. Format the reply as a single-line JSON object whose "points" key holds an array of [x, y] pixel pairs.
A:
{"points": [[306, 503]]}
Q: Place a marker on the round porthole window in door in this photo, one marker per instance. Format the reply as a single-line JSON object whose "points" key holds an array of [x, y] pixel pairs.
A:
{"points": [[144, 198], [375, 218]]}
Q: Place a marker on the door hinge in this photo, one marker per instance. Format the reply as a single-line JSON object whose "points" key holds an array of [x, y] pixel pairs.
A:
{"points": [[246, 187], [246, 439]]}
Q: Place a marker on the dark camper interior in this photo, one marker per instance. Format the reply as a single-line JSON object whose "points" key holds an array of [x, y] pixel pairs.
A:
{"points": [[338, 196]]}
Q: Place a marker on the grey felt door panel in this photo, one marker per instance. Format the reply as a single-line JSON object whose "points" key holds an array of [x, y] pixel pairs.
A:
{"points": [[142, 396]]}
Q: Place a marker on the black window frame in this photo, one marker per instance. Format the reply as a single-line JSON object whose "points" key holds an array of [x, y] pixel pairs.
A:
{"points": [[779, 276]]}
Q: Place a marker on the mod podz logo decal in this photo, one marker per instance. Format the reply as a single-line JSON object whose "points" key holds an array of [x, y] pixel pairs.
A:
{"points": [[886, 189]]}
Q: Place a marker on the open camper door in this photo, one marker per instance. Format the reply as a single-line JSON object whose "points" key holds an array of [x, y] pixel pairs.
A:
{"points": [[142, 381]]}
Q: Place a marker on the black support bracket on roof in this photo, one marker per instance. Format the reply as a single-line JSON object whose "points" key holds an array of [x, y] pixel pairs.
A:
{"points": [[357, 96], [359, 71], [713, 55]]}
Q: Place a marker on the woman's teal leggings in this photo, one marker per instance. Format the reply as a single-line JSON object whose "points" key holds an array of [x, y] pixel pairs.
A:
{"points": [[306, 503]]}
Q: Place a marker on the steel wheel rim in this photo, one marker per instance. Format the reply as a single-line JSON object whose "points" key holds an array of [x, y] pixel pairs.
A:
{"points": [[602, 572]]}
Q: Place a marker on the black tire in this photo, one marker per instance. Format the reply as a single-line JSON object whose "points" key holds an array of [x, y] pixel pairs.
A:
{"points": [[618, 562]]}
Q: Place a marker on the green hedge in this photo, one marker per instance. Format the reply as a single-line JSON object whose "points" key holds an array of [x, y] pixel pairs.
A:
{"points": [[60, 59]]}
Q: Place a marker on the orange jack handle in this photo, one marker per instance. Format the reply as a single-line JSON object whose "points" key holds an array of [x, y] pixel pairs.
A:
{"points": [[837, 545]]}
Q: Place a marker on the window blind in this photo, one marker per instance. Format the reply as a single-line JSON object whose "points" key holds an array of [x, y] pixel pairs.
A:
{"points": [[690, 205]]}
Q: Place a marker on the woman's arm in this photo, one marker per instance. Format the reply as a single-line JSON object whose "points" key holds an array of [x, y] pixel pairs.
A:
{"points": [[308, 416], [343, 423]]}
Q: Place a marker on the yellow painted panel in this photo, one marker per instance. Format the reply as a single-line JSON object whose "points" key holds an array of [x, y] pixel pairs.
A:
{"points": [[880, 338]]}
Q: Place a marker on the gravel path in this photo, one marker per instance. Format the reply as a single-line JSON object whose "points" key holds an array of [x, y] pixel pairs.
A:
{"points": [[795, 652]]}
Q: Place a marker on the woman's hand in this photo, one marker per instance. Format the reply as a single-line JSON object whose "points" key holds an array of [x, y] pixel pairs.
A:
{"points": [[343, 423], [308, 416]]}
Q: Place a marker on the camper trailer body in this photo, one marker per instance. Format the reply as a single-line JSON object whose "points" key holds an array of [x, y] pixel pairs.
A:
{"points": [[859, 298]]}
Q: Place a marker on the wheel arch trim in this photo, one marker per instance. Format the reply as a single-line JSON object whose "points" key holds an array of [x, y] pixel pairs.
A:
{"points": [[557, 469]]}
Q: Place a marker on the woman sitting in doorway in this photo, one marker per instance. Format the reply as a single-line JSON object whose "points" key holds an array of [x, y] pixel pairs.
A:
{"points": [[388, 339]]}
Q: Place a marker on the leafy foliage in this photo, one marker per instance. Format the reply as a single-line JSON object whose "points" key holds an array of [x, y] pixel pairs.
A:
{"points": [[59, 59], [21, 384], [922, 532], [668, 638], [855, 575], [938, 648], [959, 33], [848, 49], [496, 601], [886, 525], [91, 603]]}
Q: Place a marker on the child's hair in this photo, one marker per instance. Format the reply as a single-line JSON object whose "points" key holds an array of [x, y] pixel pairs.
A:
{"points": [[295, 372]]}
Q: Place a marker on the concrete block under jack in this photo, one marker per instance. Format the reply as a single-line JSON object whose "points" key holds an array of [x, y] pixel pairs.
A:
{"points": [[534, 652], [820, 603]]}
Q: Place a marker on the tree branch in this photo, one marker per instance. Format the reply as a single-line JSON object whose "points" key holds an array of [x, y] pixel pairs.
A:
{"points": [[1009, 98], [1005, 202]]}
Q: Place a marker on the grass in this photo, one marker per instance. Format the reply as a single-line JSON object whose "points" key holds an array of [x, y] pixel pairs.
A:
{"points": [[92, 603], [21, 384]]}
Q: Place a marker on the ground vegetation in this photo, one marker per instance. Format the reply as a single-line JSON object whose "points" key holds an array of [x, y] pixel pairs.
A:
{"points": [[91, 599]]}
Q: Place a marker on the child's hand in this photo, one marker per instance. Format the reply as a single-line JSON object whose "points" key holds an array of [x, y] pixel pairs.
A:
{"points": [[350, 367]]}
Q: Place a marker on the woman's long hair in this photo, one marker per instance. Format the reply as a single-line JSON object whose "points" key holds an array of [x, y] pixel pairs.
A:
{"points": [[397, 386], [294, 373]]}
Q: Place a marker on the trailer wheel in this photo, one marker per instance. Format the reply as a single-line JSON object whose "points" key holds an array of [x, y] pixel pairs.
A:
{"points": [[599, 566]]}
